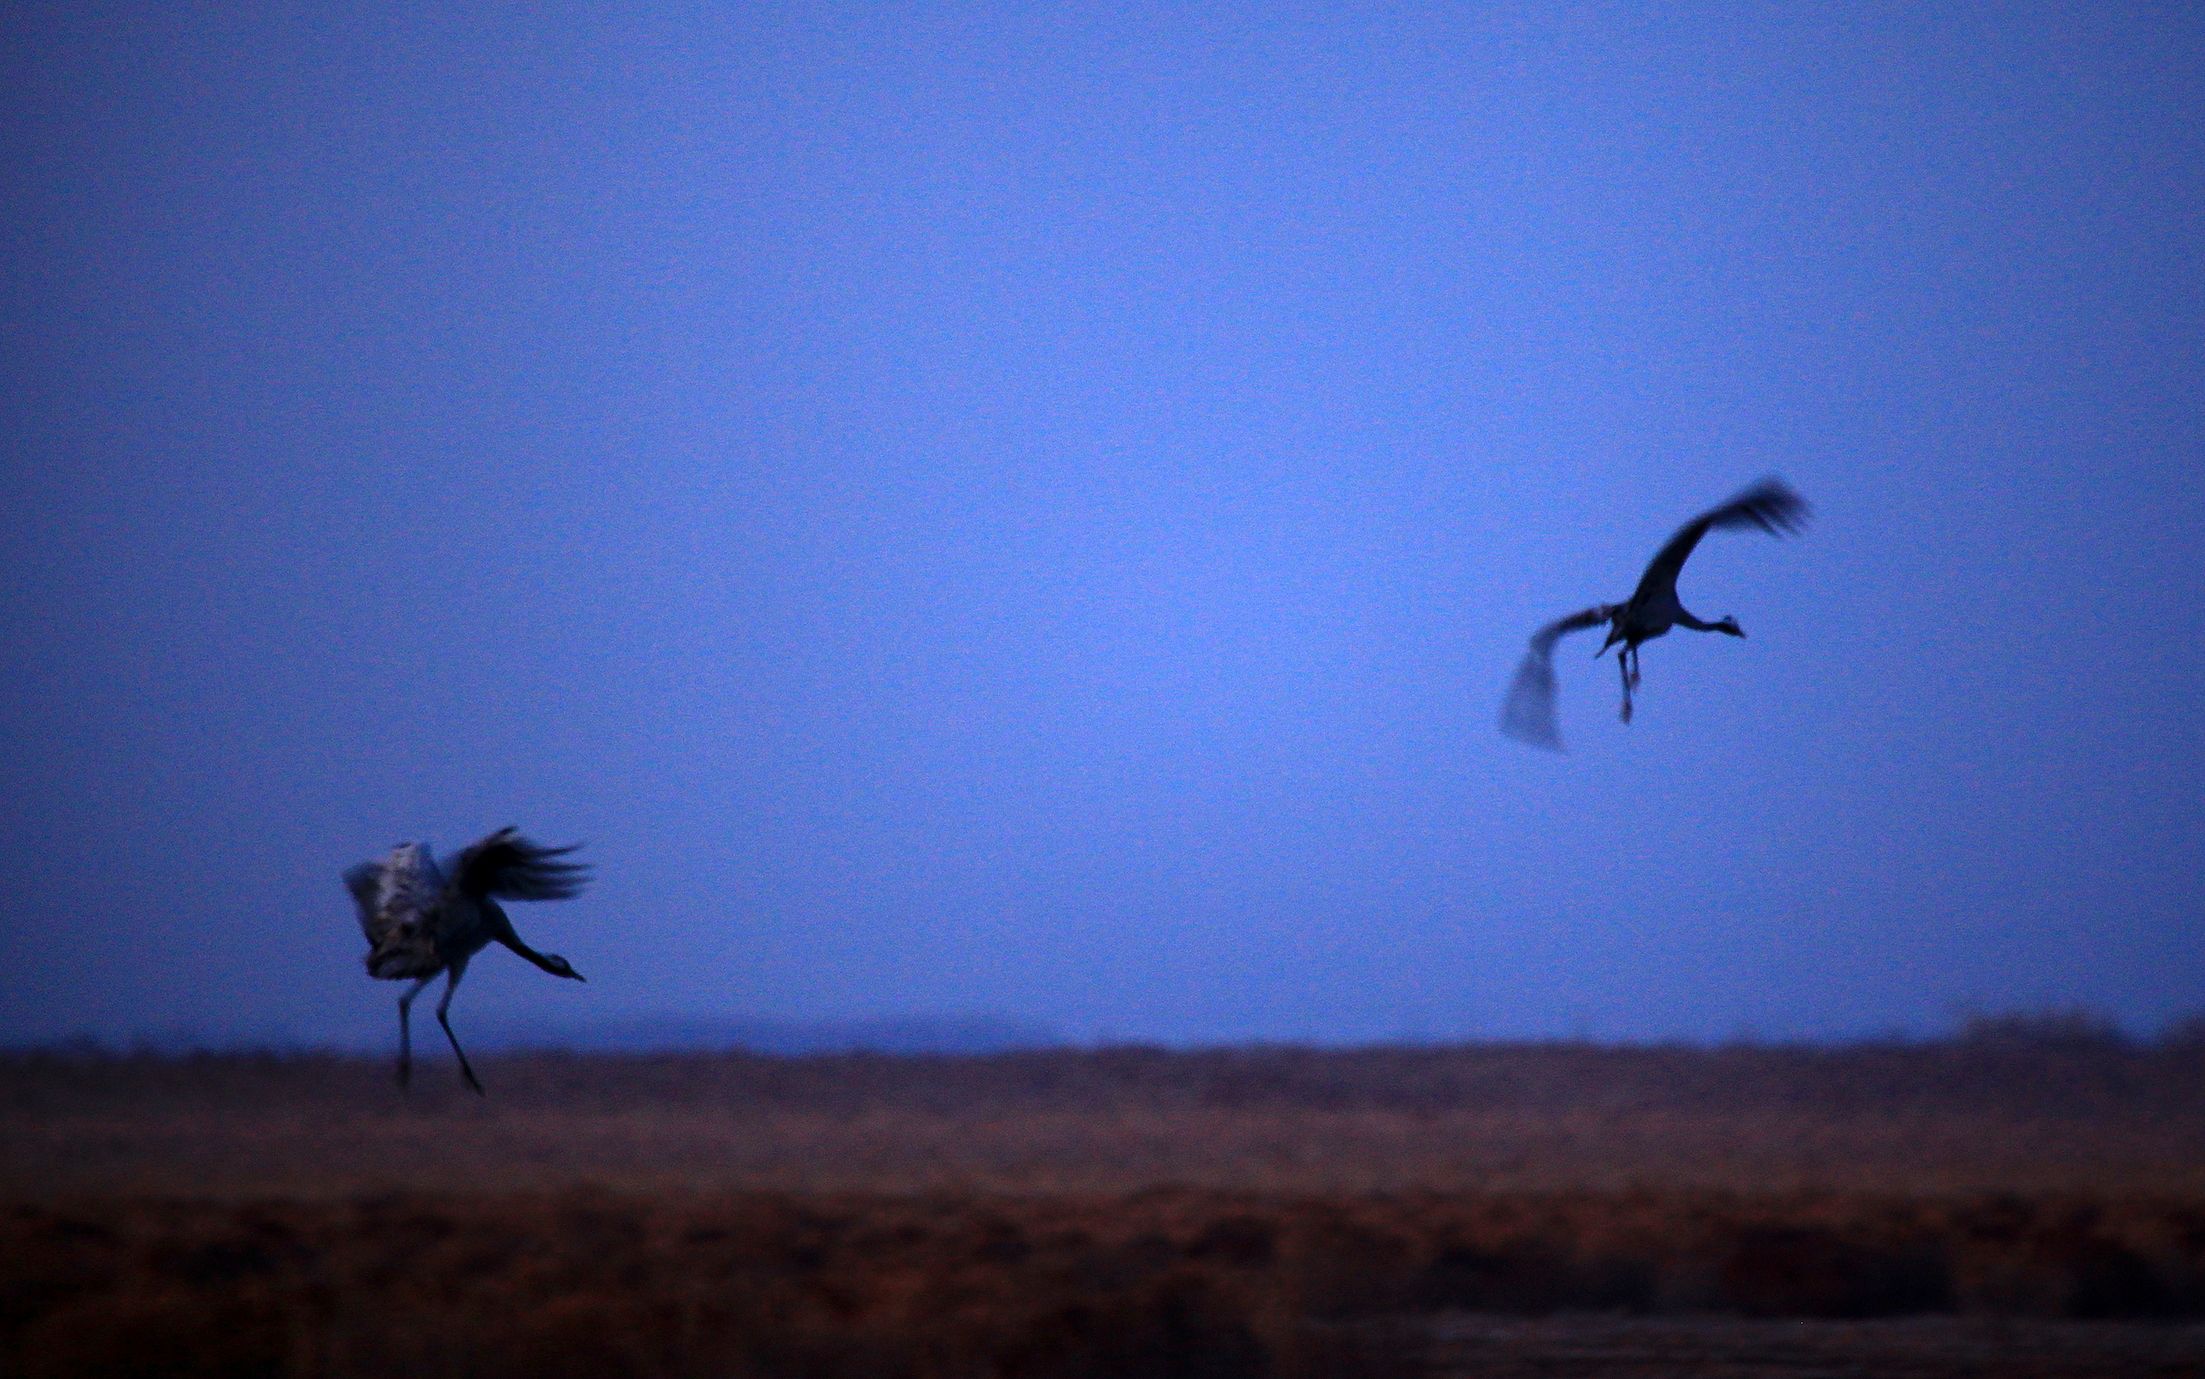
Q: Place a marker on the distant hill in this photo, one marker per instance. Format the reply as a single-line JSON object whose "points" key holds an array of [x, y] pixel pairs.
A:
{"points": [[898, 1034], [913, 1034]]}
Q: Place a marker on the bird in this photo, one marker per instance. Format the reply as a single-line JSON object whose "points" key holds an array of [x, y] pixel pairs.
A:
{"points": [[418, 922], [1652, 609]]}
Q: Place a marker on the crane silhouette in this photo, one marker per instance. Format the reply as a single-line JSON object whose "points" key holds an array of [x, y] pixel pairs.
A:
{"points": [[419, 923], [1652, 609]]}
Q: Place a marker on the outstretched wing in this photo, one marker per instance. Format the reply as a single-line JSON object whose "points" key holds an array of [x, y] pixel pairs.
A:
{"points": [[510, 867], [396, 895], [365, 881], [1528, 713], [1770, 505]]}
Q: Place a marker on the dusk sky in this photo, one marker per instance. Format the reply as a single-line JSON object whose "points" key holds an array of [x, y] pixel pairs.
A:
{"points": [[1032, 512]]}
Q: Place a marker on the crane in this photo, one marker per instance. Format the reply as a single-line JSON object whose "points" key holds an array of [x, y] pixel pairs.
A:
{"points": [[1652, 609], [418, 922]]}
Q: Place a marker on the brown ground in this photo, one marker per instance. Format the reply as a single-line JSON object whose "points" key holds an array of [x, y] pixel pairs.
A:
{"points": [[1985, 1208]]}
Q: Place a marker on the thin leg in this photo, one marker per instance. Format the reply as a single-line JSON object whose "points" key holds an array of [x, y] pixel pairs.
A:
{"points": [[405, 1029], [1623, 664], [451, 984]]}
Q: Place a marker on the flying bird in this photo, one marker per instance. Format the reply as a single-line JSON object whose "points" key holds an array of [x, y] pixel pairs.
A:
{"points": [[1652, 609], [418, 922]]}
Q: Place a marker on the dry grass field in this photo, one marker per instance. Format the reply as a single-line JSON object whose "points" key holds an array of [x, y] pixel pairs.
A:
{"points": [[2031, 1206]]}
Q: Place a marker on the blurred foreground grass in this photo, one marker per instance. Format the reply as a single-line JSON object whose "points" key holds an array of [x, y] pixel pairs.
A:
{"points": [[1253, 1212], [1980, 1116]]}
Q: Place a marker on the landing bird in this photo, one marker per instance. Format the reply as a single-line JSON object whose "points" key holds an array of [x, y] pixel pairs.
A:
{"points": [[1650, 611], [418, 923]]}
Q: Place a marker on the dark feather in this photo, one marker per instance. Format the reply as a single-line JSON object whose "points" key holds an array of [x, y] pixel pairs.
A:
{"points": [[1770, 505], [510, 867]]}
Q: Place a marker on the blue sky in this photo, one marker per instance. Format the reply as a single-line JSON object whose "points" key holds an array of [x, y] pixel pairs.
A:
{"points": [[997, 510]]}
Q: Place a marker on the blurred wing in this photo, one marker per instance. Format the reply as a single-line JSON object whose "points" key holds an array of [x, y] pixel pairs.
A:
{"points": [[1528, 713], [1770, 505], [510, 867], [397, 895], [365, 881]]}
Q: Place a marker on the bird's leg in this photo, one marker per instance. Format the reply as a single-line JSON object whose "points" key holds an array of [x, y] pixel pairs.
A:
{"points": [[1623, 664], [405, 1029], [451, 984]]}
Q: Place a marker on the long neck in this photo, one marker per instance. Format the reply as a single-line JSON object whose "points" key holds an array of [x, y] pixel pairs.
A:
{"points": [[513, 941], [501, 931], [1685, 619]]}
